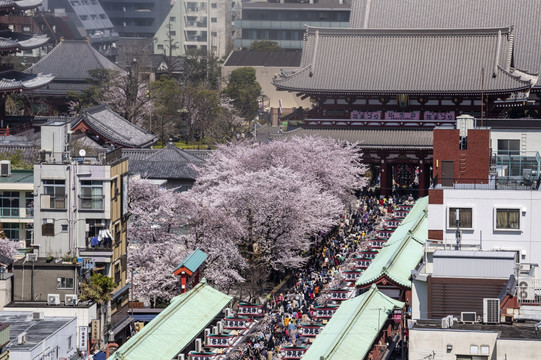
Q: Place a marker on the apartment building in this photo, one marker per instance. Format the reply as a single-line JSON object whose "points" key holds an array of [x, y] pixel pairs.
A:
{"points": [[285, 21], [16, 203], [196, 25]]}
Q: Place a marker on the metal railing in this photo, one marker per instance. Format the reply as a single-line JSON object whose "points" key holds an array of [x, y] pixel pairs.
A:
{"points": [[492, 183]]}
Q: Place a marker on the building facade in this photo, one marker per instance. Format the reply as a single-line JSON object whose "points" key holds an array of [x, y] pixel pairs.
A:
{"points": [[136, 18], [196, 25], [16, 204], [285, 21]]}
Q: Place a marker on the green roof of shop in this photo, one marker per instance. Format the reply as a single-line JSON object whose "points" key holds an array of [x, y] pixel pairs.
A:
{"points": [[403, 250], [19, 176], [354, 327], [193, 261], [176, 326]]}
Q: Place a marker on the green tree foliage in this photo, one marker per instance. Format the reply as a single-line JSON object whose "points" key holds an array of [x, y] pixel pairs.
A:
{"points": [[244, 90], [264, 45], [18, 160], [94, 94], [98, 289], [202, 69]]}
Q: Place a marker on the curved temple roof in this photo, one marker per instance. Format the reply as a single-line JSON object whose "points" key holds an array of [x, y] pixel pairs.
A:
{"points": [[523, 15], [20, 5], [406, 61]]}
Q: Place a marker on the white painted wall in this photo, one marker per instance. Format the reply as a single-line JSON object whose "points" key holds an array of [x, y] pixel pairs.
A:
{"points": [[484, 203], [530, 140], [426, 342]]}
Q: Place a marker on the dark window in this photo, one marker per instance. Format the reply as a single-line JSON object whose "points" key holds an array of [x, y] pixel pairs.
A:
{"points": [[56, 191], [508, 219], [508, 147]]}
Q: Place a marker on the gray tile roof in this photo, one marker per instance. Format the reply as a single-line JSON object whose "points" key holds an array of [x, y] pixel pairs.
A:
{"points": [[13, 80], [21, 5], [71, 60], [18, 41], [167, 163], [114, 128], [264, 58], [398, 139], [393, 61], [523, 15]]}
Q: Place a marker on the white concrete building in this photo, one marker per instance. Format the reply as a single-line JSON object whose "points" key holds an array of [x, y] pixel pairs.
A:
{"points": [[199, 25]]}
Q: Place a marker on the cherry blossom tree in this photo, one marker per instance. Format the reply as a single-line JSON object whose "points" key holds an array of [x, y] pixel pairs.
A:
{"points": [[156, 242], [274, 197]]}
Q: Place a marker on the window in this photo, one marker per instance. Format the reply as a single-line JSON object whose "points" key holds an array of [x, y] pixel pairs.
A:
{"points": [[64, 283], [9, 203], [213, 19], [29, 203], [464, 218], [56, 191], [160, 47], [508, 147], [213, 5], [64, 228], [11, 230], [91, 195], [508, 219], [70, 340], [172, 19], [94, 226]]}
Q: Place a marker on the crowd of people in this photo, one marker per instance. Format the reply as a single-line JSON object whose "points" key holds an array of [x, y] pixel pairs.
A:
{"points": [[331, 254]]}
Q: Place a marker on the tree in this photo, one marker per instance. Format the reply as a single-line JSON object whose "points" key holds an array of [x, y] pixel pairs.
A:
{"points": [[244, 90], [8, 248], [202, 68], [274, 199], [264, 45], [98, 289], [99, 84]]}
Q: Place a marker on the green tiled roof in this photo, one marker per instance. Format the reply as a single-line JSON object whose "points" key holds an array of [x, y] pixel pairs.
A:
{"points": [[194, 260], [353, 328], [176, 326], [403, 250], [19, 176]]}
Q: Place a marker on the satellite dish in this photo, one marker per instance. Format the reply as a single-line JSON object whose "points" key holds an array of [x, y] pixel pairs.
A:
{"points": [[82, 152]]}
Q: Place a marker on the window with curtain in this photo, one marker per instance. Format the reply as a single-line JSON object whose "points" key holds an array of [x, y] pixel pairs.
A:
{"points": [[464, 217], [56, 190], [91, 195], [508, 219]]}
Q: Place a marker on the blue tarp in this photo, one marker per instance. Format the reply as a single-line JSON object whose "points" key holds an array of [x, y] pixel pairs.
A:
{"points": [[100, 355]]}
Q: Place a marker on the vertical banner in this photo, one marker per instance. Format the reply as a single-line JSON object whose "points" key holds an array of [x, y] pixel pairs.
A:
{"points": [[83, 337]]}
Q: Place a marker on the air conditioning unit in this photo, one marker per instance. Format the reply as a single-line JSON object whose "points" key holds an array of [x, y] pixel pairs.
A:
{"points": [[491, 311], [38, 315], [5, 168], [468, 317], [53, 299], [21, 338], [525, 289], [70, 300], [31, 257]]}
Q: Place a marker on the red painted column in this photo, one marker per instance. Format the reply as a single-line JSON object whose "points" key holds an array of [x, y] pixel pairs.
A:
{"points": [[386, 179], [423, 191]]}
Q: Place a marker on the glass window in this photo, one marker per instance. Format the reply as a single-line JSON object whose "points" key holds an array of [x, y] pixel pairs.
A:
{"points": [[92, 195], [213, 19], [64, 283], [56, 190], [508, 147], [11, 230], [508, 219], [29, 203], [464, 218], [9, 204]]}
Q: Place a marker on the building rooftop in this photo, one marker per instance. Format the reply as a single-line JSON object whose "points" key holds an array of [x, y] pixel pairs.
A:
{"points": [[19, 176], [406, 61], [523, 330], [19, 4], [71, 60], [37, 330], [459, 14], [176, 326], [354, 327], [399, 139]]}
